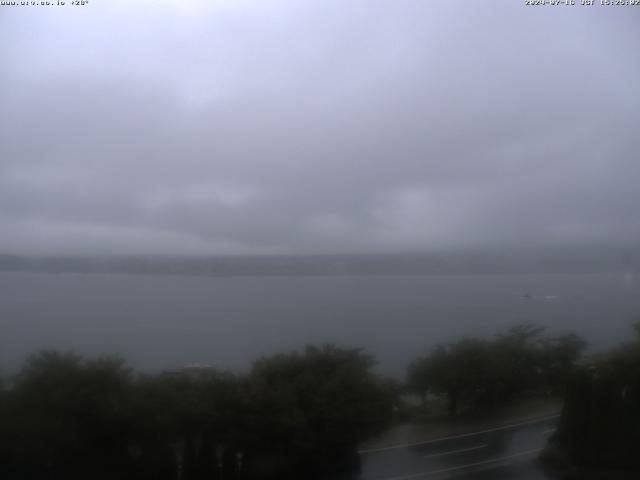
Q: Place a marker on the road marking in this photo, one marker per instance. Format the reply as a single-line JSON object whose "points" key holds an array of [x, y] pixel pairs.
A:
{"points": [[451, 452], [463, 435], [547, 432], [462, 467]]}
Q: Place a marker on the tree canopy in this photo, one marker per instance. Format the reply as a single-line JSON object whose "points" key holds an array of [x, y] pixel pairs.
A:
{"points": [[476, 374], [291, 415]]}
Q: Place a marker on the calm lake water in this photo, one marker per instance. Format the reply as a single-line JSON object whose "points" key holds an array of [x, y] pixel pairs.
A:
{"points": [[159, 322]]}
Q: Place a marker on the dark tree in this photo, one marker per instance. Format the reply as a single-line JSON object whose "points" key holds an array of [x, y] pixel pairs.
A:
{"points": [[317, 405], [477, 375], [68, 417]]}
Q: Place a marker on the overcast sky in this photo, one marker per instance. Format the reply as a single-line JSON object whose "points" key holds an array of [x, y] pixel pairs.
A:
{"points": [[327, 126]]}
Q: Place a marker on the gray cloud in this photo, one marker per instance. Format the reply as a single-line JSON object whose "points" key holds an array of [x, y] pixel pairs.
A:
{"points": [[295, 126]]}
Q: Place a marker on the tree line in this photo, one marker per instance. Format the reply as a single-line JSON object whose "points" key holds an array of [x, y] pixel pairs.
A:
{"points": [[295, 415], [476, 375]]}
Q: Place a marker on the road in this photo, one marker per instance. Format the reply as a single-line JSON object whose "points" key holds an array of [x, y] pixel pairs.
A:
{"points": [[502, 452]]}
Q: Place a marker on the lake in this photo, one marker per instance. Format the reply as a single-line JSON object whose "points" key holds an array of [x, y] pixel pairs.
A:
{"points": [[163, 322]]}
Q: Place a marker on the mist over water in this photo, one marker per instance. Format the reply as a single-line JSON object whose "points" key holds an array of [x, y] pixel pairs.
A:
{"points": [[163, 322]]}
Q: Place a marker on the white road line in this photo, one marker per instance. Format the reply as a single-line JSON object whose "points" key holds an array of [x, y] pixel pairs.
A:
{"points": [[547, 432], [462, 467], [451, 452], [463, 435]]}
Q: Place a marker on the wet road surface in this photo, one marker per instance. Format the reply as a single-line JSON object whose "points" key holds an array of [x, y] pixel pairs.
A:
{"points": [[502, 452]]}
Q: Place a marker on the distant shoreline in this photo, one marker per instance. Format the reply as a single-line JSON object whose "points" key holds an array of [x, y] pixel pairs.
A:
{"points": [[314, 265]]}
